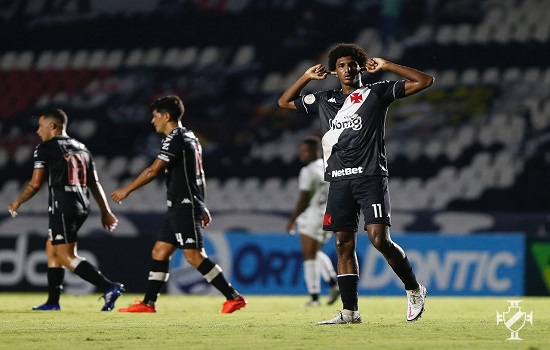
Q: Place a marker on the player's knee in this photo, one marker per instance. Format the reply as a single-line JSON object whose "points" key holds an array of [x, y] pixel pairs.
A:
{"points": [[194, 258], [382, 244], [156, 254], [345, 247], [160, 253]]}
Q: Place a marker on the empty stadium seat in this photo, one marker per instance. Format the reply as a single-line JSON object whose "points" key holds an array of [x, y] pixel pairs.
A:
{"points": [[152, 57], [80, 59], [188, 56], [463, 34], [445, 34], [469, 76], [244, 56], [448, 78], [171, 57], [114, 59], [134, 58], [97, 59], [61, 60], [45, 60], [208, 56], [490, 75], [8, 60]]}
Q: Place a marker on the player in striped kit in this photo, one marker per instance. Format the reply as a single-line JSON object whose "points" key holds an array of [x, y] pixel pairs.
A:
{"points": [[353, 128]]}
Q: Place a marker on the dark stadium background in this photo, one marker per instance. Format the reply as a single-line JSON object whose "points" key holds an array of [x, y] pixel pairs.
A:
{"points": [[469, 155]]}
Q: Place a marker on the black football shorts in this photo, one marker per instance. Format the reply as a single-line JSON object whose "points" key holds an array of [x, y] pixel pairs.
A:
{"points": [[63, 226], [347, 197], [182, 227]]}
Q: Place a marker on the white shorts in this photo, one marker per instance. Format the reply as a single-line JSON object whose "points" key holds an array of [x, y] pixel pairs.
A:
{"points": [[312, 226]]}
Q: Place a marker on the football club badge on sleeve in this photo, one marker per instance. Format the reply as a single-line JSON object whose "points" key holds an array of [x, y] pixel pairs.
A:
{"points": [[514, 319], [309, 99]]}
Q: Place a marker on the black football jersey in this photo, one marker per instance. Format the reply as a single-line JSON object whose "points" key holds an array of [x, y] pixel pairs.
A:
{"points": [[70, 168], [182, 151], [353, 128]]}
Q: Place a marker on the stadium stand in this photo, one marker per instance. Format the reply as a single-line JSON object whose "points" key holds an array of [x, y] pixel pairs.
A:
{"points": [[477, 141]]}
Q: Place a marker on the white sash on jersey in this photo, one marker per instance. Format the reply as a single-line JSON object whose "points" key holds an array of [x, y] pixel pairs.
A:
{"points": [[348, 109]]}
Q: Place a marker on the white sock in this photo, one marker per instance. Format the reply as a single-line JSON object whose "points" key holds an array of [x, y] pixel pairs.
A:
{"points": [[312, 276], [327, 269]]}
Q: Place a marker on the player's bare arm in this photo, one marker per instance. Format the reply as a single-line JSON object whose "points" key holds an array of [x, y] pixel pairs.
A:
{"points": [[317, 72], [146, 176], [30, 190], [108, 219], [301, 205], [416, 80]]}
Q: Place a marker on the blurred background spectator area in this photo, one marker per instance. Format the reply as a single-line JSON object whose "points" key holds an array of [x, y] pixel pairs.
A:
{"points": [[476, 142]]}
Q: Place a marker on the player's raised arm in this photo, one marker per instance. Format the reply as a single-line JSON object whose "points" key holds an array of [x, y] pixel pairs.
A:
{"points": [[317, 72], [416, 80]]}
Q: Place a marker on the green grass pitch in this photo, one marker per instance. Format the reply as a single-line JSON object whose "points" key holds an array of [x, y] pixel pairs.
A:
{"points": [[267, 322]]}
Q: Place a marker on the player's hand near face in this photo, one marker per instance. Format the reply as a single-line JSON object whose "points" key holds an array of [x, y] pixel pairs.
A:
{"points": [[375, 64], [317, 72]]}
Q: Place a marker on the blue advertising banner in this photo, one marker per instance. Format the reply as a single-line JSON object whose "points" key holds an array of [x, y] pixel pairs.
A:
{"points": [[480, 264], [491, 264], [477, 264]]}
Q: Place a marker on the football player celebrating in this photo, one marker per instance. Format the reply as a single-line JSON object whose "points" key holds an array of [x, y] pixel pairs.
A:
{"points": [[353, 128]]}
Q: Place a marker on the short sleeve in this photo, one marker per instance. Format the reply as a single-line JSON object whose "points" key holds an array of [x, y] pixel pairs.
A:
{"points": [[305, 180], [40, 157], [389, 90], [170, 149], [308, 103]]}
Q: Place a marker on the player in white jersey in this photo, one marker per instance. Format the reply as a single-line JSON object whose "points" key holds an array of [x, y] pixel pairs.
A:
{"points": [[353, 128], [308, 218]]}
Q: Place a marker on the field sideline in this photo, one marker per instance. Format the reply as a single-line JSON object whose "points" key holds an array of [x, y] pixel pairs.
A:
{"points": [[268, 322]]}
